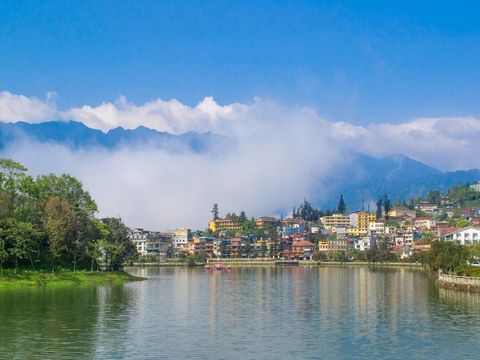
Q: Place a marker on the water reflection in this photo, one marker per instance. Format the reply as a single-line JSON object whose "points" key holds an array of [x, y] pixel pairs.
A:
{"points": [[250, 312], [58, 322]]}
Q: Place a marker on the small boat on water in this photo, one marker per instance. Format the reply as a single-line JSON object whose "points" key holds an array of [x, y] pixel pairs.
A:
{"points": [[219, 266], [207, 267]]}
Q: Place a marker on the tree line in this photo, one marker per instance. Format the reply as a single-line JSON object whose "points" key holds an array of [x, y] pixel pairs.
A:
{"points": [[49, 222]]}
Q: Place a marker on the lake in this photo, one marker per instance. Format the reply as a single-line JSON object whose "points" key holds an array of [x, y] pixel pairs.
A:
{"points": [[247, 312]]}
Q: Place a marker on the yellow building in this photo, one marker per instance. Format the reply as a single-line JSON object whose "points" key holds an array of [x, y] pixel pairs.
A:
{"points": [[336, 221], [225, 225], [332, 245], [372, 217], [357, 231], [399, 211], [212, 225], [359, 221], [266, 221]]}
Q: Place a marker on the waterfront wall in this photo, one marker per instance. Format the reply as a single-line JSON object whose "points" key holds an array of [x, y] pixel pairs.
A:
{"points": [[365, 263], [269, 262], [459, 282]]}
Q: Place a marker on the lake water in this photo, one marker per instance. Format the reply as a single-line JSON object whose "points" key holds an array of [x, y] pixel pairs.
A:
{"points": [[248, 313]]}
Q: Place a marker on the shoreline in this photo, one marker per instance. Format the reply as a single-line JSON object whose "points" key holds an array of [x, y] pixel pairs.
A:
{"points": [[456, 282], [32, 278], [254, 262]]}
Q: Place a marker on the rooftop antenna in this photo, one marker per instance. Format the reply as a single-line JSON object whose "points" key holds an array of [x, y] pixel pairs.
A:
{"points": [[363, 204]]}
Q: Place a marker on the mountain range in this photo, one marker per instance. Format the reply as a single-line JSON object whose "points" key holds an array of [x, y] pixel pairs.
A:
{"points": [[76, 135], [365, 179]]}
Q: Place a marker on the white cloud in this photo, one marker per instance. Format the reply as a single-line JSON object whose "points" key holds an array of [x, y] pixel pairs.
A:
{"points": [[444, 143], [171, 116], [21, 108], [277, 155], [277, 158]]}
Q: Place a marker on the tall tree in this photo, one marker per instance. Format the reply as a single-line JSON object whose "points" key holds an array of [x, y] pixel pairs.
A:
{"points": [[242, 217], [215, 211], [379, 212], [3, 250], [12, 177], [21, 236], [341, 208], [387, 205], [118, 246], [58, 224]]}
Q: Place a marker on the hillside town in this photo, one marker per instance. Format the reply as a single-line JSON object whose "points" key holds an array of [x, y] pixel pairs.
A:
{"points": [[393, 232]]}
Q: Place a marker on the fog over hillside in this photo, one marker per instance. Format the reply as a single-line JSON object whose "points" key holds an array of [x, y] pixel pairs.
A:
{"points": [[263, 157]]}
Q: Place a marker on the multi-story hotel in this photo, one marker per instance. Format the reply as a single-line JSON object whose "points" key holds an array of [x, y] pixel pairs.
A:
{"points": [[336, 221], [359, 221], [225, 225], [181, 237], [266, 222]]}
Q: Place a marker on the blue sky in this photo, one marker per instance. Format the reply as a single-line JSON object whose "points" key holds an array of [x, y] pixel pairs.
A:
{"points": [[358, 61]]}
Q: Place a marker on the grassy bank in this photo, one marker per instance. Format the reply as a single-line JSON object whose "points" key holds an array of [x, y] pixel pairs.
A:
{"points": [[471, 271], [63, 278]]}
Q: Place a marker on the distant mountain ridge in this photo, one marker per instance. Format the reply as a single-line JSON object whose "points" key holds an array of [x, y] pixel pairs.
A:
{"points": [[77, 135], [361, 180], [398, 176]]}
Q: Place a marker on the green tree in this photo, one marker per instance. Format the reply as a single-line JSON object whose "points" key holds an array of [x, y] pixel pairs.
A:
{"points": [[341, 208], [118, 246], [379, 213], [434, 197], [428, 237], [215, 211], [11, 174], [21, 237], [274, 242], [446, 256], [58, 225], [3, 250], [249, 227], [386, 205], [242, 217]]}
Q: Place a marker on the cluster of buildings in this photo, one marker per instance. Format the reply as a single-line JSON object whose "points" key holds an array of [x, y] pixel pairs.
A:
{"points": [[293, 238]]}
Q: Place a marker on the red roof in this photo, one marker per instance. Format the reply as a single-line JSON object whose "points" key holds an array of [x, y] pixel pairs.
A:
{"points": [[303, 243], [446, 230]]}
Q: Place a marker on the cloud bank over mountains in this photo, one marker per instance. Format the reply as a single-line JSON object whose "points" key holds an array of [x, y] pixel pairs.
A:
{"points": [[276, 155], [445, 143]]}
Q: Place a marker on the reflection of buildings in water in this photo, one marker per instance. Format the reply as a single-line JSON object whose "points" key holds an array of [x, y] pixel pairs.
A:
{"points": [[372, 298], [212, 283]]}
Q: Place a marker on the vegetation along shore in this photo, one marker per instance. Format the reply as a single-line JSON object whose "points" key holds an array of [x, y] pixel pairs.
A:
{"points": [[49, 233], [63, 278]]}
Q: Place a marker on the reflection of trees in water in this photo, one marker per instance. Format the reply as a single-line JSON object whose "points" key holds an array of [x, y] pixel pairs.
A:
{"points": [[46, 322], [114, 310]]}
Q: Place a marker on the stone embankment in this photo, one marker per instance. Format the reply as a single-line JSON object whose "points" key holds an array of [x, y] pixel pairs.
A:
{"points": [[459, 282]]}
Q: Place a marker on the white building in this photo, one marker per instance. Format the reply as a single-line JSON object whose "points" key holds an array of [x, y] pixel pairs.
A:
{"points": [[376, 227], [476, 186], [139, 238], [149, 242], [427, 207], [315, 229], [181, 237], [466, 236], [363, 243]]}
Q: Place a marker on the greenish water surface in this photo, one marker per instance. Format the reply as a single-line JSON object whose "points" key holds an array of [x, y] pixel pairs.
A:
{"points": [[246, 312]]}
